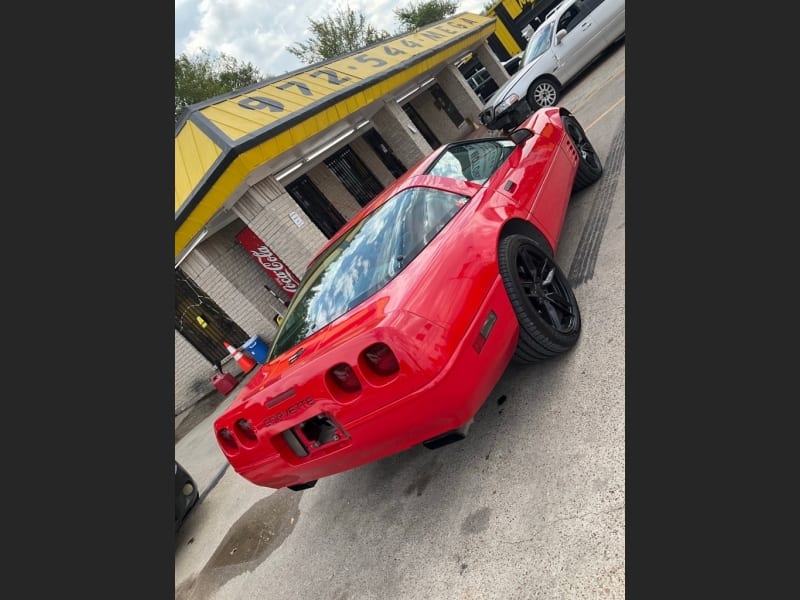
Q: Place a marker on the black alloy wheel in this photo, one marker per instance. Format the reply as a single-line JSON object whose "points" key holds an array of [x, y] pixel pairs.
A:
{"points": [[590, 167], [543, 300]]}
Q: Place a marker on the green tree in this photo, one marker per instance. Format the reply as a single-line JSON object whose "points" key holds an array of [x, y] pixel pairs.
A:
{"points": [[336, 34], [205, 75], [418, 14]]}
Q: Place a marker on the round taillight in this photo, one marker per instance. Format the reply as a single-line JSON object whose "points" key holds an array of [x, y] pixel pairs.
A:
{"points": [[345, 378], [246, 430], [226, 439], [381, 359]]}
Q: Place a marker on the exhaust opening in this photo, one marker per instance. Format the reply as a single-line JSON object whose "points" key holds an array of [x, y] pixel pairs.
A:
{"points": [[290, 437], [448, 437], [302, 486]]}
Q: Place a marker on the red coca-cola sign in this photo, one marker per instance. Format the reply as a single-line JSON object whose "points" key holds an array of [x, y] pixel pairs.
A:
{"points": [[269, 261]]}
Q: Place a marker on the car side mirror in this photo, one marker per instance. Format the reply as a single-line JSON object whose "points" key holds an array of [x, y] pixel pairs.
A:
{"points": [[560, 35], [518, 136]]}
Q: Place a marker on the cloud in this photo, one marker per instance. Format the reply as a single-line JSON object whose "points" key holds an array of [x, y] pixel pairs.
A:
{"points": [[258, 31]]}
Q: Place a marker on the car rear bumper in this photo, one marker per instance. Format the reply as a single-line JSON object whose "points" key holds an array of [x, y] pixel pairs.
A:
{"points": [[448, 402]]}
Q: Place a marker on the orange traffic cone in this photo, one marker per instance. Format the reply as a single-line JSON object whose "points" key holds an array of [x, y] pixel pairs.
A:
{"points": [[246, 363]]}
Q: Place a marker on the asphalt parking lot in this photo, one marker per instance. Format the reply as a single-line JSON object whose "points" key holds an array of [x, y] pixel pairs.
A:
{"points": [[530, 505]]}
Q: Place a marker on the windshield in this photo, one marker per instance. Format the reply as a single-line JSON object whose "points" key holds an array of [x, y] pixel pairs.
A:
{"points": [[364, 260], [539, 43]]}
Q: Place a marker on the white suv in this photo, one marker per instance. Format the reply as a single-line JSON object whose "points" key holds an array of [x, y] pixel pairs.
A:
{"points": [[572, 37]]}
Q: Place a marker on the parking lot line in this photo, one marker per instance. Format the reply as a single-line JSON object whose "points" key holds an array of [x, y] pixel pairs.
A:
{"points": [[597, 120]]}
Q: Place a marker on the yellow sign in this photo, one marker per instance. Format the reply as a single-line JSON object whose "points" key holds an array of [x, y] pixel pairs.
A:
{"points": [[245, 114]]}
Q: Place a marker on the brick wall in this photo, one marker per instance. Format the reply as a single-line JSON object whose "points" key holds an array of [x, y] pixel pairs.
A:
{"points": [[397, 130], [462, 97], [192, 374], [267, 208], [438, 120], [228, 274]]}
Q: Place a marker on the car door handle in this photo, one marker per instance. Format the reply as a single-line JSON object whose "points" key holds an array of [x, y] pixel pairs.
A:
{"points": [[509, 186]]}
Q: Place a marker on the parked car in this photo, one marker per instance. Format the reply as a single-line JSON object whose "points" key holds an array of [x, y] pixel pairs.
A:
{"points": [[186, 495], [571, 38], [407, 317]]}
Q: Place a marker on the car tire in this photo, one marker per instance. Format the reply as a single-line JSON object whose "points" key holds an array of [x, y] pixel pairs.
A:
{"points": [[590, 167], [542, 298], [543, 92]]}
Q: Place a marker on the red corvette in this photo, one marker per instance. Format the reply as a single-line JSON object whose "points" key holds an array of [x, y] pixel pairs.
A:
{"points": [[407, 318]]}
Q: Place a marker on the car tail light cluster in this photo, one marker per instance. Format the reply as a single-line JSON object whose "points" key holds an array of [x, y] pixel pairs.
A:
{"points": [[226, 439], [345, 377], [376, 360], [380, 358], [242, 435], [245, 431]]}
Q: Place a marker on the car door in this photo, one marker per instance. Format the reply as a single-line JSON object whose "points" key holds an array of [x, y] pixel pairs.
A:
{"points": [[609, 16], [581, 43]]}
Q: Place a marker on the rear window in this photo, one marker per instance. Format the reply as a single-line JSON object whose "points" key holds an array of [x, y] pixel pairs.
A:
{"points": [[472, 161], [365, 259]]}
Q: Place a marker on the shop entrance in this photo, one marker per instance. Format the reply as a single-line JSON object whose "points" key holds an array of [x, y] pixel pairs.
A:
{"points": [[381, 148], [202, 322], [422, 126], [316, 206], [354, 175]]}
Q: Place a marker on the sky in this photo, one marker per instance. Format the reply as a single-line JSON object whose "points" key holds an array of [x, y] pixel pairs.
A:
{"points": [[258, 31]]}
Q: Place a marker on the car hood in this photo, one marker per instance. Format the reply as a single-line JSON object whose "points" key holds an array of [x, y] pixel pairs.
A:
{"points": [[513, 85]]}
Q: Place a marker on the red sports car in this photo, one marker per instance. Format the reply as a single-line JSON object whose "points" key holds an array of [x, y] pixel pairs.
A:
{"points": [[407, 318]]}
